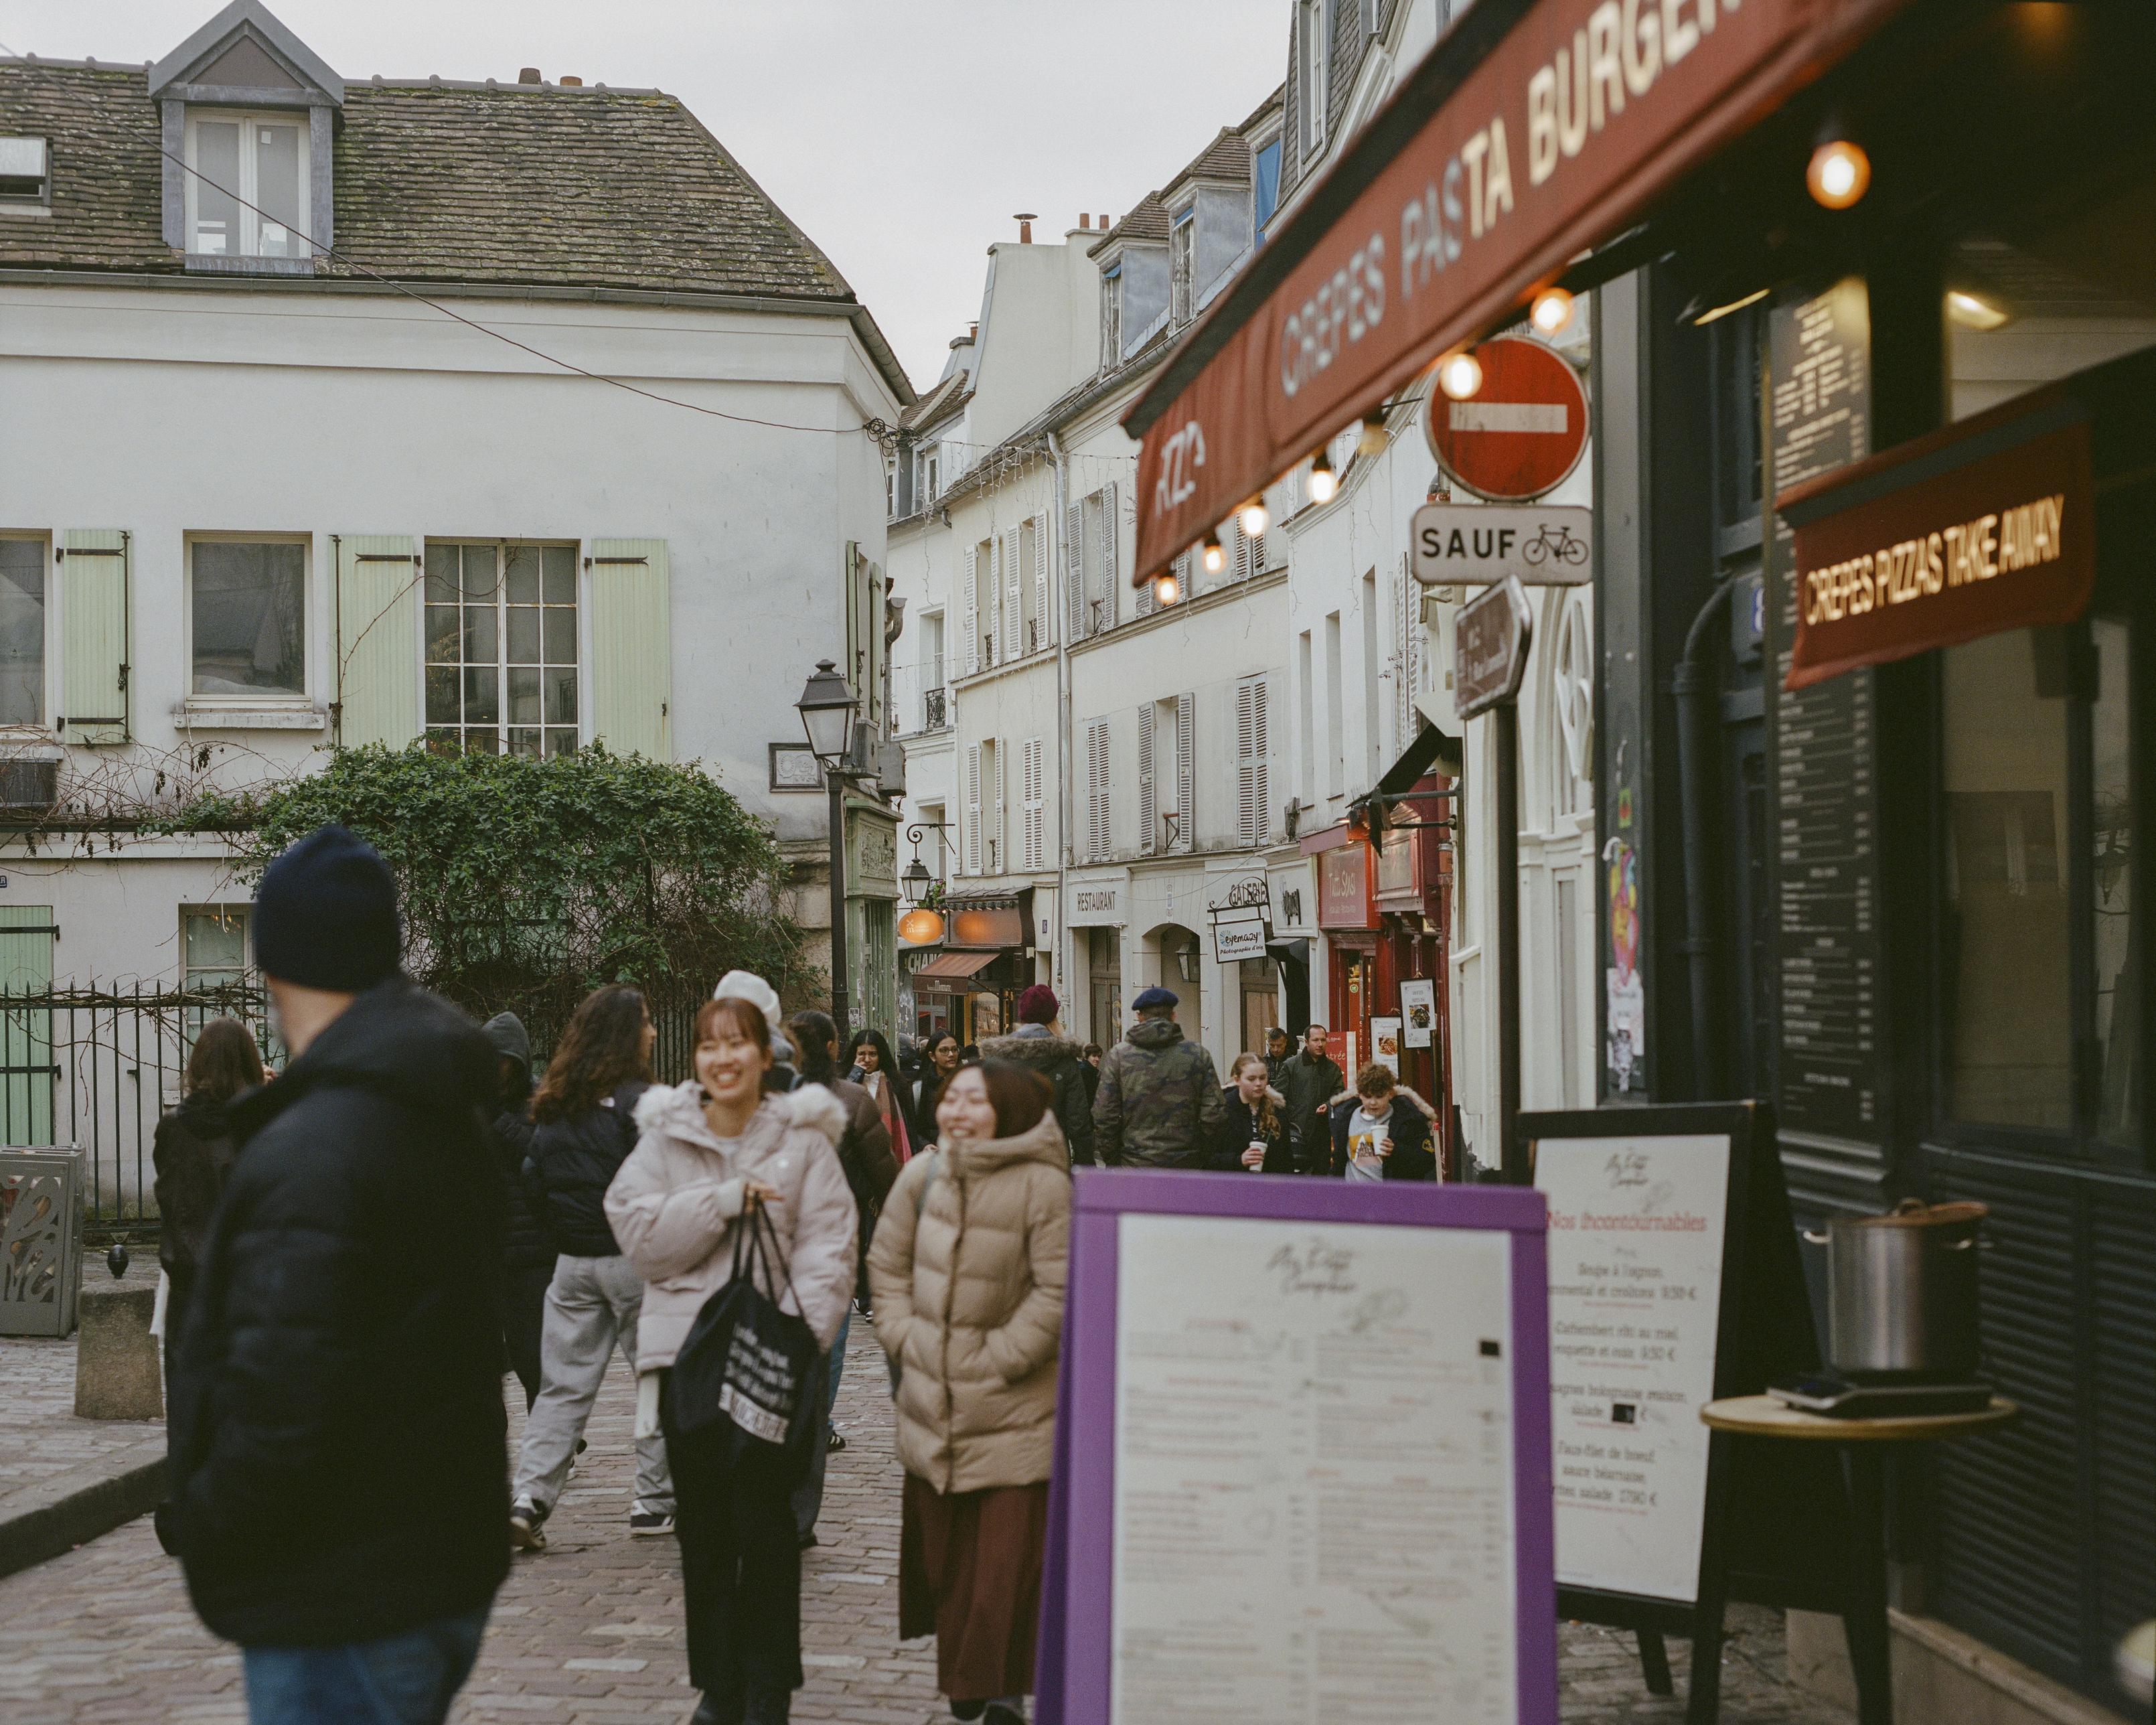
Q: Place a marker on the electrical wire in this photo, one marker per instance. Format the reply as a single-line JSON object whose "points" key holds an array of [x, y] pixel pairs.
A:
{"points": [[875, 428]]}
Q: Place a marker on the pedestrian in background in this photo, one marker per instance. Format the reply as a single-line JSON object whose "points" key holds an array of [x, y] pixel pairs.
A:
{"points": [[583, 1127], [1278, 1050], [940, 1061], [337, 1477], [530, 1254], [714, 1149], [1252, 1135], [1309, 1080], [969, 1268], [193, 1152], [1374, 1138], [1036, 1046], [1159, 1102], [869, 1057], [864, 1153], [1092, 1074]]}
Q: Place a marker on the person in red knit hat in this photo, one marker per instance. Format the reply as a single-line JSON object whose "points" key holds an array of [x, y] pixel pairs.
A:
{"points": [[1035, 1046]]}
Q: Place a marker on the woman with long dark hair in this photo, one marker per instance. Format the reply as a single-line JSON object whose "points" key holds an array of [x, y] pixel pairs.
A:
{"points": [[874, 1068], [583, 1127], [939, 1059], [969, 1272], [193, 1152]]}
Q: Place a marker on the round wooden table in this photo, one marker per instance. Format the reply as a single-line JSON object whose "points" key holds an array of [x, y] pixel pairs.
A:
{"points": [[1864, 1443]]}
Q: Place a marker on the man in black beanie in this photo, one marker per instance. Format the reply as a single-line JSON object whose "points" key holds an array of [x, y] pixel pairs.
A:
{"points": [[338, 1473]]}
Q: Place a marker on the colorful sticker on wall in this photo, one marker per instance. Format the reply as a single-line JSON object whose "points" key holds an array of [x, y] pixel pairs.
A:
{"points": [[1626, 1017]]}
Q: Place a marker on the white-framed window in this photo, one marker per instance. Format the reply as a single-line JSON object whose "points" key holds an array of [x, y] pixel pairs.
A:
{"points": [[213, 945], [23, 561], [1311, 92], [890, 489], [1182, 263], [927, 471], [246, 191], [247, 620], [501, 648], [26, 176], [1111, 316]]}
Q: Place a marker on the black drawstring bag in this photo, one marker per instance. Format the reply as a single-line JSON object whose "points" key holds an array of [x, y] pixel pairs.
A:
{"points": [[750, 1368]]}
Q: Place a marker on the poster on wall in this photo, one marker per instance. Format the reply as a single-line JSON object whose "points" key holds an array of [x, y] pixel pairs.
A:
{"points": [[1419, 1012], [1283, 1492], [1384, 1044]]}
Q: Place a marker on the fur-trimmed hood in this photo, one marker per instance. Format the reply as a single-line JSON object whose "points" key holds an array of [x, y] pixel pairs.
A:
{"points": [[678, 1109], [1038, 1052]]}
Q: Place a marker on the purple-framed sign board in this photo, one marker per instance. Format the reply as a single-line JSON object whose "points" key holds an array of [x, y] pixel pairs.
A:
{"points": [[1302, 1468]]}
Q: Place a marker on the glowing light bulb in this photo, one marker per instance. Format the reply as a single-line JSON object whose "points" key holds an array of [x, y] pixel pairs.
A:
{"points": [[1459, 375], [1552, 311], [1212, 556], [1839, 174], [1253, 518], [1324, 483], [1163, 588]]}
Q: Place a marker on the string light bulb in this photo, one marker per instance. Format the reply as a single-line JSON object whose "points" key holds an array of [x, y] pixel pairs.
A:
{"points": [[1839, 173], [1552, 311], [1460, 374], [1324, 482], [1372, 439], [1253, 518], [1164, 588], [1211, 555]]}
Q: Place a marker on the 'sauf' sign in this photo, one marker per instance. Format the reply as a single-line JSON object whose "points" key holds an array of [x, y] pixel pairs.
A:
{"points": [[1473, 544]]}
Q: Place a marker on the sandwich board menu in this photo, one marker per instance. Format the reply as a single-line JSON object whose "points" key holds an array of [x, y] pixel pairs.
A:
{"points": [[1302, 1457]]}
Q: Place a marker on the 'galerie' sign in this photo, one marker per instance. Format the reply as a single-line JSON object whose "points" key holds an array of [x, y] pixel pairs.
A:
{"points": [[1987, 526]]}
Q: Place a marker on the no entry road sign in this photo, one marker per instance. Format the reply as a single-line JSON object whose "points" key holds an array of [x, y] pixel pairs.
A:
{"points": [[1522, 433]]}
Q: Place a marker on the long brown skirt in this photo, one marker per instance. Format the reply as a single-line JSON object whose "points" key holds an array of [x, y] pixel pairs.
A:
{"points": [[969, 1571]]}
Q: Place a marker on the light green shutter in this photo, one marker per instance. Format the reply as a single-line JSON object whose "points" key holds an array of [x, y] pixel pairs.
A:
{"points": [[93, 651], [26, 1032], [632, 647], [862, 584], [377, 640]]}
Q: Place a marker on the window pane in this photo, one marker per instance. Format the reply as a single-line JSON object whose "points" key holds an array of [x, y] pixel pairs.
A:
{"points": [[442, 633], [442, 565], [441, 695], [481, 626], [561, 697], [482, 742], [22, 632], [524, 742], [250, 620], [522, 562], [444, 742], [277, 189], [215, 941], [481, 578], [482, 696], [2116, 937], [560, 564], [561, 742], [2009, 1030], [216, 205], [524, 634], [561, 635], [523, 697]]}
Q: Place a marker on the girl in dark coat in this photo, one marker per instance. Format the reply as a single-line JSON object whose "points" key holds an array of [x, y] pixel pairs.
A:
{"points": [[193, 1151], [1252, 1116], [530, 1263]]}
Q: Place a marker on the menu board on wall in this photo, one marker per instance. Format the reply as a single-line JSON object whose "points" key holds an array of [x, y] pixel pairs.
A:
{"points": [[1830, 961], [1637, 1231]]}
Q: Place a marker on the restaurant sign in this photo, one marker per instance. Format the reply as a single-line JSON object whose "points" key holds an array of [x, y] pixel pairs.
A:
{"points": [[1987, 525]]}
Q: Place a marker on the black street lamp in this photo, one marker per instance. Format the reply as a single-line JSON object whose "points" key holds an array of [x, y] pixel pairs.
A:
{"points": [[828, 713]]}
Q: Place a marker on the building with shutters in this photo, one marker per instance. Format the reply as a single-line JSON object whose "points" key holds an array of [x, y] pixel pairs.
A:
{"points": [[300, 452]]}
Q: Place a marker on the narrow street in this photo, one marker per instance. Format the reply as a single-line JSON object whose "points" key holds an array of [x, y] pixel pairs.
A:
{"points": [[589, 1632]]}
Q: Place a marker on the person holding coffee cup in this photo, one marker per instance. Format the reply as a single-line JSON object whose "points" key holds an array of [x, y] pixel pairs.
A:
{"points": [[1252, 1135]]}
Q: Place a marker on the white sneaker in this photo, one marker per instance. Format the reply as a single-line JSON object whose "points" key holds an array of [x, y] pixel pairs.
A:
{"points": [[650, 1523]]}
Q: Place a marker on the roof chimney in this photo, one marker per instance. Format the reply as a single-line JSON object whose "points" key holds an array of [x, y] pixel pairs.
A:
{"points": [[1085, 221], [569, 83], [972, 332], [1025, 228], [530, 74], [1105, 224]]}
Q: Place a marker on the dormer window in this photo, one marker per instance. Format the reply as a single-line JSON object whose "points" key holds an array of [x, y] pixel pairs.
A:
{"points": [[1182, 259], [26, 180], [1111, 316], [245, 190]]}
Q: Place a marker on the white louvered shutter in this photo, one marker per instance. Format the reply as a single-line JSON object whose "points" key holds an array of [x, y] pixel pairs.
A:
{"points": [[1036, 825], [973, 810], [1148, 799], [1145, 599], [1250, 554], [1097, 834], [1112, 549], [1013, 599], [969, 618], [1186, 770], [1252, 792], [998, 833], [1074, 570], [1043, 615]]}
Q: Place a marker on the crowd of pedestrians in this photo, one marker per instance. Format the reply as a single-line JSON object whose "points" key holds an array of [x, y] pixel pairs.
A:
{"points": [[356, 1248]]}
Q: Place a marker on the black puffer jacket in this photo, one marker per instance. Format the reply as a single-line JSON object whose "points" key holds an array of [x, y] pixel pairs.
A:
{"points": [[529, 1247], [337, 1467], [573, 1161], [193, 1153], [1063, 1064], [1239, 1129]]}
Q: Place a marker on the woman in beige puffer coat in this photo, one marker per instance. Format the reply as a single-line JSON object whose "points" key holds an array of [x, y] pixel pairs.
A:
{"points": [[967, 1274]]}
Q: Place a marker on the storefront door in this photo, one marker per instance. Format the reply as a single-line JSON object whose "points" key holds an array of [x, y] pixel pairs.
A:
{"points": [[1354, 987]]}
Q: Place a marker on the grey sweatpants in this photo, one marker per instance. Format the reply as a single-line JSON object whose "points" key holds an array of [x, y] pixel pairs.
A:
{"points": [[592, 1307]]}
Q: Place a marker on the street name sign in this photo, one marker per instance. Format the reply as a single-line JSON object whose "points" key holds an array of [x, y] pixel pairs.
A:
{"points": [[1475, 544], [1490, 648], [1521, 434]]}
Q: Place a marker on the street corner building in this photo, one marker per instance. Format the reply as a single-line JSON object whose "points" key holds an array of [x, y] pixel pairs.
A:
{"points": [[308, 445]]}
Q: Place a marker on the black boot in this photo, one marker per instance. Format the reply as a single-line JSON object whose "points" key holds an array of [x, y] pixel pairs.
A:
{"points": [[768, 1706]]}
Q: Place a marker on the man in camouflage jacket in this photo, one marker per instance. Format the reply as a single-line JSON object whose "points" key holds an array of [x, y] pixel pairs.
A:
{"points": [[1159, 1097]]}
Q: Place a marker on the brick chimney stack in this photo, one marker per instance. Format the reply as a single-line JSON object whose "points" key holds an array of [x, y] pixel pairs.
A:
{"points": [[530, 74], [1026, 221]]}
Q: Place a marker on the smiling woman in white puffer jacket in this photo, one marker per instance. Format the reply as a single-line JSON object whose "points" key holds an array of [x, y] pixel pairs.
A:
{"points": [[712, 1151]]}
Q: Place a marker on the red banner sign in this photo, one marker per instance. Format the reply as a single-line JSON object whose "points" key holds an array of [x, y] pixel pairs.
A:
{"points": [[1571, 125]]}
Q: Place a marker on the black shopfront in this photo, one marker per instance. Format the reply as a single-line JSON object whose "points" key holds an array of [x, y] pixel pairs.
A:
{"points": [[1907, 903]]}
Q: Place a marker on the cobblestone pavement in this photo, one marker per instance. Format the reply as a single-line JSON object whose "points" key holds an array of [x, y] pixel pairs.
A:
{"points": [[589, 1632], [40, 1438]]}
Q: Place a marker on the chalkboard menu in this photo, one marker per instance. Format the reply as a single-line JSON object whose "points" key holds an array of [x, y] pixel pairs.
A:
{"points": [[1821, 741]]}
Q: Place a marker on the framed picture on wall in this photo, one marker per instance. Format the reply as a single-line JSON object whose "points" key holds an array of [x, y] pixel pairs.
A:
{"points": [[794, 767]]}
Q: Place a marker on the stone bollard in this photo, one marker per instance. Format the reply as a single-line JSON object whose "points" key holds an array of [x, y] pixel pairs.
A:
{"points": [[118, 1372]]}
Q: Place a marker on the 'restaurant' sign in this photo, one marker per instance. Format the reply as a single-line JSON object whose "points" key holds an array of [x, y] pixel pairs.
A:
{"points": [[1528, 134], [1990, 525]]}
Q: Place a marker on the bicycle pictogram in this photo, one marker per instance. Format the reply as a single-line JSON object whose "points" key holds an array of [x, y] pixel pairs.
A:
{"points": [[1554, 540]]}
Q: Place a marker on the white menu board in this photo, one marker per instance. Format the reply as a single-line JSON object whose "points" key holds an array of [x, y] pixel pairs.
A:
{"points": [[1636, 1242], [1314, 1475]]}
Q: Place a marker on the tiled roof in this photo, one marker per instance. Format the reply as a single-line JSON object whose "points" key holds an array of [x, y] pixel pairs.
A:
{"points": [[523, 185], [939, 404], [1227, 158], [1146, 224]]}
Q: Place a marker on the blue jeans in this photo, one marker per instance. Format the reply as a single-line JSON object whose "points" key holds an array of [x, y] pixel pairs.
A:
{"points": [[407, 1679], [809, 1495]]}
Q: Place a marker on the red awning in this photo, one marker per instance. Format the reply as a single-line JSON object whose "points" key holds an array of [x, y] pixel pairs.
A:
{"points": [[1534, 130], [956, 965]]}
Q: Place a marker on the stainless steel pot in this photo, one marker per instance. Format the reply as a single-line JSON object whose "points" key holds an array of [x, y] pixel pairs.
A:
{"points": [[1901, 1292]]}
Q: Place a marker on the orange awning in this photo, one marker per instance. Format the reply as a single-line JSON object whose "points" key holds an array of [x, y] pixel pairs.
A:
{"points": [[956, 965]]}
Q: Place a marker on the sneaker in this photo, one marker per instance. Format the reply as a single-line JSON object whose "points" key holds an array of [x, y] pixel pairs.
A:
{"points": [[1001, 1712], [576, 1455], [833, 1442], [526, 1532], [650, 1523], [810, 1541]]}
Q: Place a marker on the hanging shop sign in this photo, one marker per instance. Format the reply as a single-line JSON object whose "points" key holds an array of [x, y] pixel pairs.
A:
{"points": [[988, 926], [1520, 435], [1987, 525], [1474, 545], [1533, 132], [1347, 897], [1239, 921], [1490, 648]]}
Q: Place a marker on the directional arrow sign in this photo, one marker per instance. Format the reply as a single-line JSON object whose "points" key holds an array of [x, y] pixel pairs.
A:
{"points": [[1490, 648]]}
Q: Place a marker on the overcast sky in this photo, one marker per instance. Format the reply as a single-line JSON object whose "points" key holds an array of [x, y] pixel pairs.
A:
{"points": [[901, 135]]}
